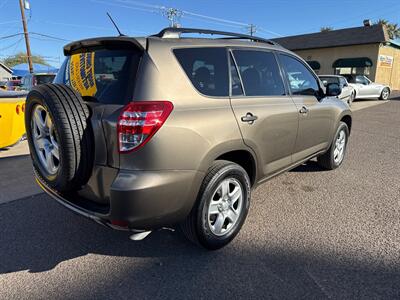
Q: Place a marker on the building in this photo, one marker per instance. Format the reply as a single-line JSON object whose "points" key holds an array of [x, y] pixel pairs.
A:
{"points": [[365, 50], [5, 72]]}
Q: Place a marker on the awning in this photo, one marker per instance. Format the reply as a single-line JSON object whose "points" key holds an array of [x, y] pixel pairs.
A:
{"points": [[314, 64], [356, 62]]}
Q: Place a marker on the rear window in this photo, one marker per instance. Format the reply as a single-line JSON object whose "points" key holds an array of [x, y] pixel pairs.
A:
{"points": [[327, 80], [207, 69], [106, 76], [41, 79]]}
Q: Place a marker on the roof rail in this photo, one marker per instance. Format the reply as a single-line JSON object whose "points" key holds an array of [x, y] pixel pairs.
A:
{"points": [[175, 32]]}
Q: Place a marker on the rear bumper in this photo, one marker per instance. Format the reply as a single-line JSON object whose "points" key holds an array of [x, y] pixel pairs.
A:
{"points": [[143, 200]]}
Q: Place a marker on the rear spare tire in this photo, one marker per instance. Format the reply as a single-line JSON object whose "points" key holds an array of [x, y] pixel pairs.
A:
{"points": [[59, 136]]}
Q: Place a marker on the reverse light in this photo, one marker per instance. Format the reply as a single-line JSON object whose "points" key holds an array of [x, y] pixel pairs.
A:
{"points": [[139, 121]]}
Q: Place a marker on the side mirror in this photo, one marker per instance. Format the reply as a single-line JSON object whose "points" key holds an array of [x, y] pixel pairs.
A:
{"points": [[333, 90]]}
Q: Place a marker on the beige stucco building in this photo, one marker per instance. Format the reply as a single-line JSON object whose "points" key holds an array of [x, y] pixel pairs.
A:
{"points": [[363, 50]]}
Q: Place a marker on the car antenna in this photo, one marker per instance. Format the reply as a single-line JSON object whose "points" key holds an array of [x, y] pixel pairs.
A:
{"points": [[115, 25]]}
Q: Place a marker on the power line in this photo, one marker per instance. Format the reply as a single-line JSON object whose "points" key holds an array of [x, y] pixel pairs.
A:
{"points": [[173, 14], [10, 36], [12, 45], [50, 36]]}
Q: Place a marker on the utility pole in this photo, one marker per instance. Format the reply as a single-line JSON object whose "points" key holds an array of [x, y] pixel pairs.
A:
{"points": [[173, 15], [252, 29], [28, 47]]}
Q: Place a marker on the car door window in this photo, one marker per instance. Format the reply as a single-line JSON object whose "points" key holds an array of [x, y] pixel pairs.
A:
{"points": [[362, 80], [300, 78], [260, 74], [207, 69], [343, 82]]}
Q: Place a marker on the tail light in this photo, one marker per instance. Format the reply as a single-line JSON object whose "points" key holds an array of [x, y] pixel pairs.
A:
{"points": [[18, 109], [139, 121], [23, 107]]}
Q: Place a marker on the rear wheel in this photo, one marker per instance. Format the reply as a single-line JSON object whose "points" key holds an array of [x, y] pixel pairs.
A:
{"points": [[221, 207], [385, 94], [333, 158], [59, 136]]}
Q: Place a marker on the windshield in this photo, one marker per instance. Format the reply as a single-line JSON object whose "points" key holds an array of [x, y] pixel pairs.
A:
{"points": [[105, 76]]}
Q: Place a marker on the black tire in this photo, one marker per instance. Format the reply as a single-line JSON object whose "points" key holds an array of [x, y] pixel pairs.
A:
{"points": [[383, 95], [196, 226], [70, 117], [327, 160]]}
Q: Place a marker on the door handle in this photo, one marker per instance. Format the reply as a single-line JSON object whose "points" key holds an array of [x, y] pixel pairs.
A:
{"points": [[303, 110], [249, 118]]}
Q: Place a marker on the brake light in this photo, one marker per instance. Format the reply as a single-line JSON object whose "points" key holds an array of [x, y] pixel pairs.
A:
{"points": [[139, 121], [18, 109]]}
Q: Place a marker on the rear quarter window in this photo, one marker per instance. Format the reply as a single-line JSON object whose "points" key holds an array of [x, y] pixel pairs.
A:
{"points": [[105, 76], [206, 68]]}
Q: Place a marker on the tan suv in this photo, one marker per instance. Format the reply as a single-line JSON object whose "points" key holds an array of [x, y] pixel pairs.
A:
{"points": [[144, 133]]}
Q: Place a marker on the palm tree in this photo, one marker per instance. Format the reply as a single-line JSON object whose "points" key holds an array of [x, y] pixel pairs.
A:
{"points": [[392, 28], [326, 28]]}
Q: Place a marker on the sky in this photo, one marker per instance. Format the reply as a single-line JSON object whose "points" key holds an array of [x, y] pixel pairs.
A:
{"points": [[54, 23]]}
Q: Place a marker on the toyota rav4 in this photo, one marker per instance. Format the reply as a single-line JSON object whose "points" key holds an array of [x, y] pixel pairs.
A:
{"points": [[144, 133]]}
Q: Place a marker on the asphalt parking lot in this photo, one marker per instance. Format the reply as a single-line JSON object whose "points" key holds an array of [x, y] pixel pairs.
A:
{"points": [[310, 234]]}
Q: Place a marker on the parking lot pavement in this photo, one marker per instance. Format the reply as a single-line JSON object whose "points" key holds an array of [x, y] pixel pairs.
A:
{"points": [[310, 233], [16, 175]]}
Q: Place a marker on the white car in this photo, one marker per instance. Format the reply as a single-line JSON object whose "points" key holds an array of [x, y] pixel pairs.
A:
{"points": [[348, 92], [366, 89]]}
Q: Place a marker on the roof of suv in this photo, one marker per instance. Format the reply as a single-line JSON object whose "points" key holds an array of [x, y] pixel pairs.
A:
{"points": [[173, 37]]}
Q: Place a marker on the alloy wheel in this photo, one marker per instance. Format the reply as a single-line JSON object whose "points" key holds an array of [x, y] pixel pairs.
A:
{"points": [[45, 139], [340, 144], [225, 206]]}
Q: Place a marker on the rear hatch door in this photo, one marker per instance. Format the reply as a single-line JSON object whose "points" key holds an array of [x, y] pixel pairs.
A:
{"points": [[103, 71]]}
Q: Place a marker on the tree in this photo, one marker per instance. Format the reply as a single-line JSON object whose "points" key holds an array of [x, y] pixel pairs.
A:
{"points": [[326, 28], [21, 58], [392, 28]]}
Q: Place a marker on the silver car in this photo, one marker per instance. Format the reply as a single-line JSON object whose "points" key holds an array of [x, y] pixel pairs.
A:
{"points": [[366, 89], [348, 92]]}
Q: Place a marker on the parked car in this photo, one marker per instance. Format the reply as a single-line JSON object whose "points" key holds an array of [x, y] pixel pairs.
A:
{"points": [[366, 89], [142, 133], [14, 85], [31, 80], [12, 124], [3, 85], [348, 92]]}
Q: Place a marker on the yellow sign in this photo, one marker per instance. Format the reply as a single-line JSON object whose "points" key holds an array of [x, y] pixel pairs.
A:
{"points": [[81, 71]]}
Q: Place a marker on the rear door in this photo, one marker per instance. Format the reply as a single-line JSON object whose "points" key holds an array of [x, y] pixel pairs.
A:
{"points": [[266, 114], [315, 116], [105, 78]]}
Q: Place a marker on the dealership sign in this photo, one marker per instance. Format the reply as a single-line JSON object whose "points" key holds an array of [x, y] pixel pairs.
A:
{"points": [[385, 61]]}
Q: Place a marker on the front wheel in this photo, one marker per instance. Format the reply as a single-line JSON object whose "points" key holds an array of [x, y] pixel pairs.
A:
{"points": [[351, 98], [385, 94], [333, 158], [221, 208]]}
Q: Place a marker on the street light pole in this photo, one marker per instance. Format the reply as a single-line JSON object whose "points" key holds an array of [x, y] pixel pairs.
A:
{"points": [[28, 47]]}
